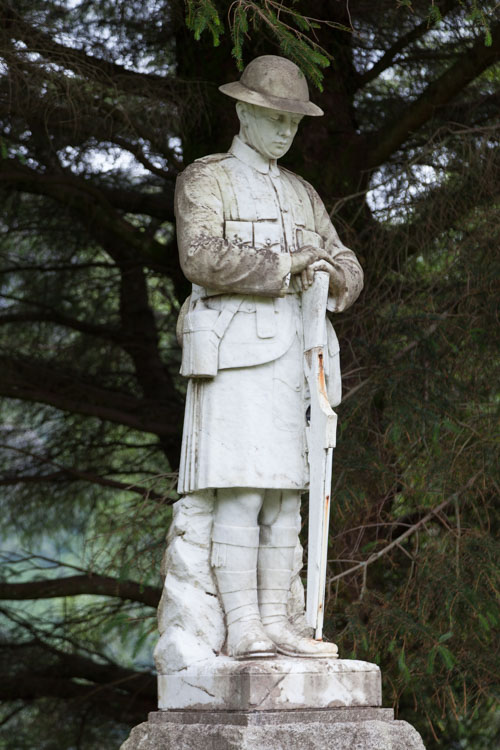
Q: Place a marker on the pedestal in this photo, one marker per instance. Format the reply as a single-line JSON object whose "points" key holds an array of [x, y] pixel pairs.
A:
{"points": [[267, 684], [273, 704], [323, 729]]}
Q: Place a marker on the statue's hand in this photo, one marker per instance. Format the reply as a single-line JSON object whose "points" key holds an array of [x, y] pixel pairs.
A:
{"points": [[322, 264], [303, 259], [337, 281]]}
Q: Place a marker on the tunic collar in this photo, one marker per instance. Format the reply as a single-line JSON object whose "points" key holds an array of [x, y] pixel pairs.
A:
{"points": [[252, 158]]}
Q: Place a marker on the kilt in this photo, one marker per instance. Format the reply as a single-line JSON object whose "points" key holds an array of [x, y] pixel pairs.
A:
{"points": [[247, 427]]}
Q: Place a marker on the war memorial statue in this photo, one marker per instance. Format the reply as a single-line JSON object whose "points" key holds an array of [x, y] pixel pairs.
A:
{"points": [[250, 236], [240, 664]]}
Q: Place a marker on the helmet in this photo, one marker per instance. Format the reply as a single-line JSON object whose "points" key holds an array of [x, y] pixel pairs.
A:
{"points": [[273, 82]]}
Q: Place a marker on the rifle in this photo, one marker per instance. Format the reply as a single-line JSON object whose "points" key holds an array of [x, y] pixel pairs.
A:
{"points": [[321, 438]]}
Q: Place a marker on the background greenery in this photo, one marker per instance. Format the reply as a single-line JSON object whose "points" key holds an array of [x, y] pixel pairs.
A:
{"points": [[102, 103]]}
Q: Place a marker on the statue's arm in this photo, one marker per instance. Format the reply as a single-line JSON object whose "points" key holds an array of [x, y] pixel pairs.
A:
{"points": [[206, 257], [347, 281]]}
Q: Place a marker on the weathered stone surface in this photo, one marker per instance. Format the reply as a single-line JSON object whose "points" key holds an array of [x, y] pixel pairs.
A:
{"points": [[264, 718], [190, 617], [266, 684], [266, 263], [371, 734]]}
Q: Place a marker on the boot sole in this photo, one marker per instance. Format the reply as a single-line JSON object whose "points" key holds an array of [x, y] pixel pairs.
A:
{"points": [[255, 655], [298, 654]]}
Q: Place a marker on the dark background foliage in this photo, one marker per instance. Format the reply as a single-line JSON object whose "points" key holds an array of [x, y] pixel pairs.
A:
{"points": [[102, 103]]}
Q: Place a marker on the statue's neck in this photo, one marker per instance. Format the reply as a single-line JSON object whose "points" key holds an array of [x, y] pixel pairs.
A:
{"points": [[244, 140], [252, 156]]}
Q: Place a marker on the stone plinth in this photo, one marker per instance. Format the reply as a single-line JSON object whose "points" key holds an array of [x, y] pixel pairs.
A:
{"points": [[335, 729], [282, 683]]}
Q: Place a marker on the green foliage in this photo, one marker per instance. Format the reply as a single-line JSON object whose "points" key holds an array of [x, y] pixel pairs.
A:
{"points": [[479, 18], [435, 16], [405, 4], [295, 33], [292, 31], [429, 606], [239, 30], [202, 15]]}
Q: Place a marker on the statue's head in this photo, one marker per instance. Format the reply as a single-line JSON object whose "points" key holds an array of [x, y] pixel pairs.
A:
{"points": [[273, 96], [268, 131]]}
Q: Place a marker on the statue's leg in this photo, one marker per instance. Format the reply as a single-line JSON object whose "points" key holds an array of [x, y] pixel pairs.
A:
{"points": [[235, 543], [278, 539]]}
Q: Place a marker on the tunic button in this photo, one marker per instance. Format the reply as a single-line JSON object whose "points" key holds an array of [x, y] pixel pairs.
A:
{"points": [[268, 241]]}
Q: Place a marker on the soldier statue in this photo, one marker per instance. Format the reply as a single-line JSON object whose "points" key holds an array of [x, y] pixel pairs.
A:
{"points": [[251, 235]]}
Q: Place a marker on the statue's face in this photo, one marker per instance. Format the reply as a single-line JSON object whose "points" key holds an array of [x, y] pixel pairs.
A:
{"points": [[268, 131]]}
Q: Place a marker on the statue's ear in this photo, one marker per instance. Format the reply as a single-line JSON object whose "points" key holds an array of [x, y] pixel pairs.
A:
{"points": [[242, 112]]}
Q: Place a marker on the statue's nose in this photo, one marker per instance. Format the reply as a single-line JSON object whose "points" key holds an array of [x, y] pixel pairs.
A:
{"points": [[286, 128]]}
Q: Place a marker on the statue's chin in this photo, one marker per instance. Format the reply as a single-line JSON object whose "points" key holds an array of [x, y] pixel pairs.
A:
{"points": [[276, 153]]}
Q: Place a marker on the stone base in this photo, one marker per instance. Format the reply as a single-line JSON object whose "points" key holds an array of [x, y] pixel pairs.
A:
{"points": [[267, 684], [325, 729]]}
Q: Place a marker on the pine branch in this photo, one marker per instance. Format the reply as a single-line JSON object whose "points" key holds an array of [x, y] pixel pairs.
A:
{"points": [[74, 115], [103, 700], [42, 670], [400, 44], [101, 71], [91, 204], [53, 316], [65, 475], [157, 204], [137, 336], [383, 143], [470, 114], [140, 335], [411, 530], [97, 585], [429, 331], [38, 382]]}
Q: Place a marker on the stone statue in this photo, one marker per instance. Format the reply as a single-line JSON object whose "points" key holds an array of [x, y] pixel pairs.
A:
{"points": [[236, 666], [251, 235]]}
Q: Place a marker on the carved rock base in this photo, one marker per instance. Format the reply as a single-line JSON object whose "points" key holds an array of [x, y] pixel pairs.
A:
{"points": [[325, 729], [265, 684]]}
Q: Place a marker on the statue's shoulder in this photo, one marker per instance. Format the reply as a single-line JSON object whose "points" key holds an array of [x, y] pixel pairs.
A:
{"points": [[213, 158], [300, 181], [205, 165], [296, 177], [205, 168]]}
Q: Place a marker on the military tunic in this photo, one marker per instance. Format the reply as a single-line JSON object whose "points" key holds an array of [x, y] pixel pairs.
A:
{"points": [[239, 216]]}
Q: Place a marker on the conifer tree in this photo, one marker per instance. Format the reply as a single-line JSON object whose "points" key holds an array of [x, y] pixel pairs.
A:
{"points": [[102, 104]]}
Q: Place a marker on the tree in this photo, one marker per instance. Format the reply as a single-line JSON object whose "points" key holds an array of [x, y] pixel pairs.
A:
{"points": [[102, 104]]}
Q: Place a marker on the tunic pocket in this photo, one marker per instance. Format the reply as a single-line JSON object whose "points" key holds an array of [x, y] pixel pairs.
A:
{"points": [[239, 232], [308, 237], [267, 234]]}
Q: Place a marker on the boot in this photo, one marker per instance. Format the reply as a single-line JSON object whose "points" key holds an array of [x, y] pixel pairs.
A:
{"points": [[275, 564], [234, 560]]}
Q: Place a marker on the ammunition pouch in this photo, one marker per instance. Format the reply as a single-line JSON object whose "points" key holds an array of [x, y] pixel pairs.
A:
{"points": [[202, 331]]}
